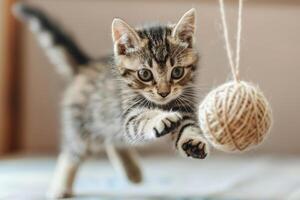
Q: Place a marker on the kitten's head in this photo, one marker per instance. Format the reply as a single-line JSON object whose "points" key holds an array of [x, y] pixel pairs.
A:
{"points": [[157, 61]]}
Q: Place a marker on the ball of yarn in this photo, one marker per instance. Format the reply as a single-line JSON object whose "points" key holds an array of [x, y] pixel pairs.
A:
{"points": [[235, 116]]}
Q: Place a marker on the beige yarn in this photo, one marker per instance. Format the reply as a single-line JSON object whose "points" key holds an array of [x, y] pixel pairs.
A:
{"points": [[235, 116]]}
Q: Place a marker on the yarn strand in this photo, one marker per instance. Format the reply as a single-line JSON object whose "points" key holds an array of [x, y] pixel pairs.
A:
{"points": [[233, 65], [238, 40]]}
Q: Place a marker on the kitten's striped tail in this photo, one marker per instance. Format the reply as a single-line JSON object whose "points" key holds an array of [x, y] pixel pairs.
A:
{"points": [[59, 46]]}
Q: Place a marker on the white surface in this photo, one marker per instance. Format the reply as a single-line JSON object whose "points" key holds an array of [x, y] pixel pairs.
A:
{"points": [[172, 178]]}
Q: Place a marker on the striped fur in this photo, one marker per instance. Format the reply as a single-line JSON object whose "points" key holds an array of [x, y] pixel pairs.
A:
{"points": [[107, 104]]}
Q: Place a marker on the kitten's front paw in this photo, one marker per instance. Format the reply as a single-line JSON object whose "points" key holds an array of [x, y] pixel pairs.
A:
{"points": [[194, 146], [166, 123]]}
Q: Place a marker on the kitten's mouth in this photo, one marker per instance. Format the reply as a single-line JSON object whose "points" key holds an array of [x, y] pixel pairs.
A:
{"points": [[161, 100]]}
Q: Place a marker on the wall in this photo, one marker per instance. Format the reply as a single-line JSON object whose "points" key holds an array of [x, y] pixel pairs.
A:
{"points": [[1, 32], [2, 114], [270, 48]]}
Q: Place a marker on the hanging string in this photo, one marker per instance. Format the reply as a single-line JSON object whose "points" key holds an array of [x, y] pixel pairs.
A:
{"points": [[233, 65]]}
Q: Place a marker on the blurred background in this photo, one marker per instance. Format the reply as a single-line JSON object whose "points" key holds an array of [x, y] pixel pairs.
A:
{"points": [[30, 90], [269, 57]]}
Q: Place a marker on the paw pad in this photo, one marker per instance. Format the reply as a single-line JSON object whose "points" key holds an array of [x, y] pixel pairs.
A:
{"points": [[195, 149]]}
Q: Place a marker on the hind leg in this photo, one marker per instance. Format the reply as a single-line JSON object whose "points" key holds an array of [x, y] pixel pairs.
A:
{"points": [[74, 148], [64, 175], [124, 161]]}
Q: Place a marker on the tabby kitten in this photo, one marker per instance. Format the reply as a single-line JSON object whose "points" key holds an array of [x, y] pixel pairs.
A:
{"points": [[147, 92]]}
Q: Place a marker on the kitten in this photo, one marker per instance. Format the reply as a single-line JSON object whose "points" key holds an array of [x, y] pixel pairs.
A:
{"points": [[147, 93]]}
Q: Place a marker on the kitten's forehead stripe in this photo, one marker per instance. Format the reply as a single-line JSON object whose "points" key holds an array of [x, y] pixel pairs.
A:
{"points": [[158, 45]]}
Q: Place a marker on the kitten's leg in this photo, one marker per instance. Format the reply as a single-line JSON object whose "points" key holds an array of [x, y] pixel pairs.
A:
{"points": [[64, 175], [145, 125], [124, 161], [190, 141]]}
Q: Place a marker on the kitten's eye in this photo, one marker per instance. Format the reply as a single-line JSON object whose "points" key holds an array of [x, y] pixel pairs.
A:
{"points": [[145, 75], [177, 72]]}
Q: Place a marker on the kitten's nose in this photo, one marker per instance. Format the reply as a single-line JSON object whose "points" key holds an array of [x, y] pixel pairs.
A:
{"points": [[163, 94]]}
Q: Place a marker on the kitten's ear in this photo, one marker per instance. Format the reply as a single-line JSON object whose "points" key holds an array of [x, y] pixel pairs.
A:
{"points": [[184, 30], [124, 37]]}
